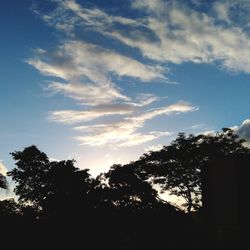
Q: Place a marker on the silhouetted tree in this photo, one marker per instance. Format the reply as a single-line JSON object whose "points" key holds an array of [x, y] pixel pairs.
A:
{"points": [[54, 187], [178, 167], [125, 189], [29, 175], [136, 209], [120, 207], [9, 208], [68, 188]]}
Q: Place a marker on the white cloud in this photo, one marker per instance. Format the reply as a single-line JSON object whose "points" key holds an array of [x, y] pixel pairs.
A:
{"points": [[154, 148], [111, 134], [185, 35], [88, 69], [89, 94], [138, 138], [144, 99], [3, 169], [244, 130], [124, 133], [93, 16], [169, 31], [76, 59], [76, 116], [89, 60], [97, 111], [180, 107]]}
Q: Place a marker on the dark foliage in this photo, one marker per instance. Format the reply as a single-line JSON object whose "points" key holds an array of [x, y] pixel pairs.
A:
{"points": [[179, 166], [61, 205]]}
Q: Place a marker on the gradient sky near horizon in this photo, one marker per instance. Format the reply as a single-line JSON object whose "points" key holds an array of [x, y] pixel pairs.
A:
{"points": [[104, 81]]}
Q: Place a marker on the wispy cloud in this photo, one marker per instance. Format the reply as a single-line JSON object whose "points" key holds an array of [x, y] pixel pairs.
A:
{"points": [[76, 59], [138, 138], [180, 107], [97, 111], [94, 16], [76, 116], [88, 71], [169, 31], [181, 34], [116, 135], [3, 169], [90, 94], [197, 126], [125, 132], [186, 35]]}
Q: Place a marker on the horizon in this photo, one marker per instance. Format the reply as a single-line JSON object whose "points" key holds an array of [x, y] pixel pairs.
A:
{"points": [[104, 82]]}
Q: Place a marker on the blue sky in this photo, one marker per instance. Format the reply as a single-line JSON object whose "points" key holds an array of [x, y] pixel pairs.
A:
{"points": [[105, 81]]}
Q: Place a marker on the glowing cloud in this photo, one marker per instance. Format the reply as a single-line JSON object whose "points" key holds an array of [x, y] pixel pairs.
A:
{"points": [[3, 169], [124, 133]]}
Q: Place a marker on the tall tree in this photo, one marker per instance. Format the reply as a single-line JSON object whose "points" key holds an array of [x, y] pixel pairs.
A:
{"points": [[177, 168], [55, 187], [29, 175]]}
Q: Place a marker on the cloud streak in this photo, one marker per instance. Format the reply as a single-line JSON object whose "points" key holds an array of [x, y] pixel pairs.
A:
{"points": [[167, 31], [125, 132], [90, 94], [76, 116], [171, 31], [88, 69], [76, 59], [186, 35], [91, 72], [3, 169], [124, 108]]}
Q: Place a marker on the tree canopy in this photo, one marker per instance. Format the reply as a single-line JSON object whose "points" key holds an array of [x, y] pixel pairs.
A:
{"points": [[123, 204], [177, 168], [127, 189], [53, 186]]}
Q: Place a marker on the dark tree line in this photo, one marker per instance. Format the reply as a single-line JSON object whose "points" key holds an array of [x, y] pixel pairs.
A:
{"points": [[120, 208], [178, 166]]}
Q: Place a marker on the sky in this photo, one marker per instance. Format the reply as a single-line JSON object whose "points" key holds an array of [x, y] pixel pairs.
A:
{"points": [[105, 81]]}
